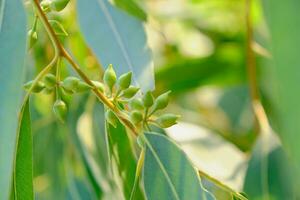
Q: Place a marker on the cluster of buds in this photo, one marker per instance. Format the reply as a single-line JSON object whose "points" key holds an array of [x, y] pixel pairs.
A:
{"points": [[140, 108], [70, 85]]}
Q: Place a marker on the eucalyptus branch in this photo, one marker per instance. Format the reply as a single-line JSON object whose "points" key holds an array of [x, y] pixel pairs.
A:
{"points": [[62, 52]]}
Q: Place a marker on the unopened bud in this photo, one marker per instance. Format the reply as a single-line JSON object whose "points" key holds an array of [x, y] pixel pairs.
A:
{"points": [[70, 84], [136, 104], [130, 92], [38, 87], [59, 5], [167, 120], [99, 85], [162, 101], [136, 116], [110, 77], [125, 80], [148, 99], [50, 80], [32, 37], [60, 110], [83, 87]]}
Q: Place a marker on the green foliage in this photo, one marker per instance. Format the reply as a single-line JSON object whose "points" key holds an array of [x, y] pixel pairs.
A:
{"points": [[164, 176], [112, 143], [23, 179], [122, 44], [269, 174], [12, 52], [285, 67]]}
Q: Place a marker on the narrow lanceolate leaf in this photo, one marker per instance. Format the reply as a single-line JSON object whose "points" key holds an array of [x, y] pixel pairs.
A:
{"points": [[122, 154], [168, 174], [23, 164], [285, 42], [117, 38], [12, 53], [269, 173]]}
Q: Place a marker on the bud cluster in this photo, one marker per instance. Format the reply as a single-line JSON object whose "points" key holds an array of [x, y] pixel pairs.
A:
{"points": [[138, 108], [70, 85]]}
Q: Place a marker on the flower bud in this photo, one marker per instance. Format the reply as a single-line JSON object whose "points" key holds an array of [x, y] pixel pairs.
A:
{"points": [[148, 99], [48, 90], [125, 80], [32, 37], [110, 77], [130, 92], [136, 104], [99, 85], [111, 118], [70, 84], [46, 5], [50, 80], [167, 120], [38, 87], [162, 101], [83, 87], [136, 116], [60, 110], [59, 5]]}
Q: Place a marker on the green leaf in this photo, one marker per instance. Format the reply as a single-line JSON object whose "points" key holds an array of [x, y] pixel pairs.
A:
{"points": [[285, 42], [131, 7], [117, 38], [12, 53], [122, 154], [24, 157], [269, 173], [168, 173]]}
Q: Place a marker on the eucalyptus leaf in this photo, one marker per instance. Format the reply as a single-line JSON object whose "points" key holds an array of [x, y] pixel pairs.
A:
{"points": [[123, 156], [131, 7], [285, 42], [168, 173], [12, 53], [117, 38], [269, 174], [23, 182]]}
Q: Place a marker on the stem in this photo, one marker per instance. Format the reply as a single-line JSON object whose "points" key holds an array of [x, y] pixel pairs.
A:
{"points": [[62, 52], [220, 184], [251, 65]]}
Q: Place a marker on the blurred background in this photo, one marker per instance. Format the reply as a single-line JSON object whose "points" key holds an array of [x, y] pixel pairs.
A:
{"points": [[199, 53]]}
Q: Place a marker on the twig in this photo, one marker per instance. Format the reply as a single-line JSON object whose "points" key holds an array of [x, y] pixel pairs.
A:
{"points": [[62, 52]]}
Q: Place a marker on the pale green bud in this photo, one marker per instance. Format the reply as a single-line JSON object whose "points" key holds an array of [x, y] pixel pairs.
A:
{"points": [[125, 80], [60, 110], [49, 80], [136, 104], [59, 5], [162, 101], [38, 87], [70, 84], [130, 92], [110, 77], [83, 87], [33, 37], [167, 120], [46, 5], [136, 116], [99, 85], [148, 99]]}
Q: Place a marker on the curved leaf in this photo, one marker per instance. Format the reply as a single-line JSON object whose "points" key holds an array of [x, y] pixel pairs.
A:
{"points": [[285, 43], [122, 154], [168, 174], [12, 54], [24, 158], [117, 38], [269, 172]]}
